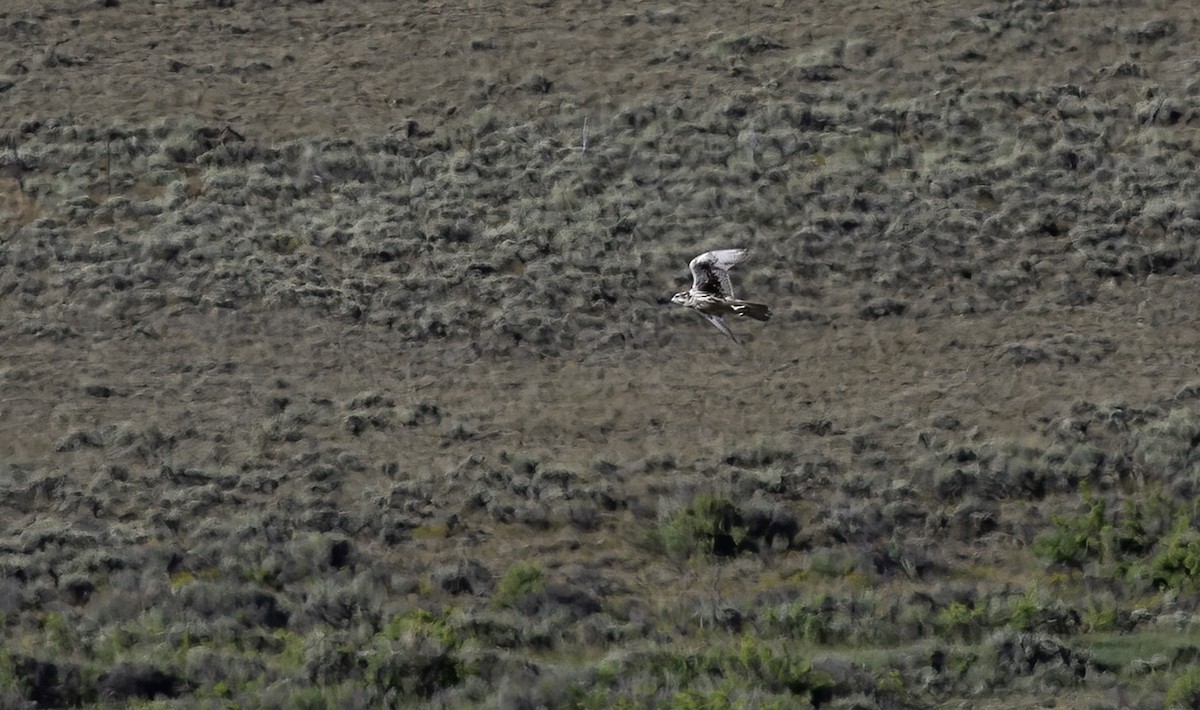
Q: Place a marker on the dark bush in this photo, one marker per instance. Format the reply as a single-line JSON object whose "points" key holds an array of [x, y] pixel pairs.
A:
{"points": [[135, 680], [468, 577], [50, 684]]}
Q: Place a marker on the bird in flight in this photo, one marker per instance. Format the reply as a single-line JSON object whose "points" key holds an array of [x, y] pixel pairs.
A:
{"points": [[711, 293]]}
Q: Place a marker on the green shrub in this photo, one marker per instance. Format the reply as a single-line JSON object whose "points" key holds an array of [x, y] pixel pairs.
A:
{"points": [[962, 620], [1130, 536], [892, 687], [590, 697], [413, 669], [1103, 619], [520, 579], [58, 631], [1025, 610], [711, 525], [1124, 541], [780, 670], [1177, 565], [8, 676], [1185, 690], [421, 624], [310, 698], [811, 620], [716, 676], [716, 699], [832, 564], [1035, 610], [1077, 539], [415, 654]]}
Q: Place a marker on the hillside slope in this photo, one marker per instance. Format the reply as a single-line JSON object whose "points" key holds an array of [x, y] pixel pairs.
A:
{"points": [[340, 369]]}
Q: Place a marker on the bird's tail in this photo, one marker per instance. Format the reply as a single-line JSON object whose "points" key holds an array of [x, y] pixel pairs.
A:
{"points": [[757, 311]]}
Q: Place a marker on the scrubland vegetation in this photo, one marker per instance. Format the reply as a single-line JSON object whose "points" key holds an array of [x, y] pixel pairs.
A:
{"points": [[385, 406]]}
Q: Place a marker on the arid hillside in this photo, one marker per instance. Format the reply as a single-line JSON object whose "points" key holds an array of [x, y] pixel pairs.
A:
{"points": [[338, 366]]}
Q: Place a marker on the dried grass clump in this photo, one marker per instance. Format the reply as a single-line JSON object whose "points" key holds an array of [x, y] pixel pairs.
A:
{"points": [[1165, 452]]}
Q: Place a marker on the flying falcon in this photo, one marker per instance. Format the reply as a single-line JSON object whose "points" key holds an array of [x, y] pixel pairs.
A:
{"points": [[712, 293]]}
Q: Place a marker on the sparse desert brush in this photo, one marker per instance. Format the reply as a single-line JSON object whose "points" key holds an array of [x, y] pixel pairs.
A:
{"points": [[225, 671], [1024, 659], [565, 197], [316, 554], [818, 620], [832, 564], [727, 674], [1015, 469], [259, 545], [227, 605], [763, 453], [180, 147], [484, 121], [729, 50], [341, 605], [239, 186]]}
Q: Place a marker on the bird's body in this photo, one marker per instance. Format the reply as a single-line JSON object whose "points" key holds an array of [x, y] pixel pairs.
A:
{"points": [[711, 294]]}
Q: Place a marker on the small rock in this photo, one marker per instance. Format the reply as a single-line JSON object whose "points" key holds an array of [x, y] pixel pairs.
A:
{"points": [[882, 307], [468, 577], [944, 421]]}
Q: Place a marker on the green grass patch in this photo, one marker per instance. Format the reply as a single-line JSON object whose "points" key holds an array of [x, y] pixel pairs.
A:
{"points": [[1118, 651], [183, 578]]}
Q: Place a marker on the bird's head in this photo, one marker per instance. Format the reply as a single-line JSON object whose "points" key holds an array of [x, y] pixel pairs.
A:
{"points": [[680, 298]]}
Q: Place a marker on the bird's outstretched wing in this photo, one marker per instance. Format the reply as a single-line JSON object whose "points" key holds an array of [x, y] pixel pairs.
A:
{"points": [[710, 271], [720, 323]]}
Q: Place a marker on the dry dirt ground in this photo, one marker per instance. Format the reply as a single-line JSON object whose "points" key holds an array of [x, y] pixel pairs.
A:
{"points": [[407, 328]]}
